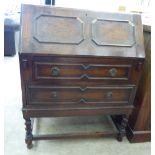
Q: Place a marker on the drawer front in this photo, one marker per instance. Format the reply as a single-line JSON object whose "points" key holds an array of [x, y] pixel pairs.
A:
{"points": [[82, 96], [83, 71], [64, 71]]}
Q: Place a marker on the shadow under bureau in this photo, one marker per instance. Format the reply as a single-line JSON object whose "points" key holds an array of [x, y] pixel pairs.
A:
{"points": [[77, 63]]}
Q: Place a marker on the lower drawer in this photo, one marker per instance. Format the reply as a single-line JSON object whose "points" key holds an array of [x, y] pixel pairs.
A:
{"points": [[79, 96]]}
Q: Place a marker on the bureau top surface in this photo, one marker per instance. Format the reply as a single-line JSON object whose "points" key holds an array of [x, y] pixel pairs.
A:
{"points": [[64, 31]]}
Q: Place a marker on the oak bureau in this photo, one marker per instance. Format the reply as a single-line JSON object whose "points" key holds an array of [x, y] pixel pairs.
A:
{"points": [[79, 62]]}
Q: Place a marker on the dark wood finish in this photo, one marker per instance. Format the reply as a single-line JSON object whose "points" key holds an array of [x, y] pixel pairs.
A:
{"points": [[139, 127], [80, 69], [78, 62], [46, 111], [63, 31], [29, 136], [77, 71], [75, 96], [121, 122], [76, 135], [72, 71]]}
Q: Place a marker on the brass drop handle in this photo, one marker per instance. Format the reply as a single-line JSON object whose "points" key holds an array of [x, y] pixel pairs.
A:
{"points": [[113, 72], [55, 71], [109, 95], [54, 94]]}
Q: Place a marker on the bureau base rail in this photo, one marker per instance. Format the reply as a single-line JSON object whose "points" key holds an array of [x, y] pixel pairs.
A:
{"points": [[75, 135], [118, 122]]}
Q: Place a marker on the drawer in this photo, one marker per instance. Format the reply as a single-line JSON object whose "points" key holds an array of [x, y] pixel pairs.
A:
{"points": [[79, 96], [83, 71], [64, 71]]}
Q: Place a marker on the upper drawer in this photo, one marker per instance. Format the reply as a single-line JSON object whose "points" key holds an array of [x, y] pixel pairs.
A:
{"points": [[66, 71], [69, 70]]}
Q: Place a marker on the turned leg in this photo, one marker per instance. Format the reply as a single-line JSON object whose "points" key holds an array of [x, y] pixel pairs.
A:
{"points": [[29, 135], [120, 122], [122, 127]]}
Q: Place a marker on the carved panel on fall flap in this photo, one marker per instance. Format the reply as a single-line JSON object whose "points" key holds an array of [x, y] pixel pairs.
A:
{"points": [[58, 29], [113, 33]]}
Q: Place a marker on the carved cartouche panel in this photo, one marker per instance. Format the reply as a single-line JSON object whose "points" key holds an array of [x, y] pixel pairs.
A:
{"points": [[58, 29], [113, 33]]}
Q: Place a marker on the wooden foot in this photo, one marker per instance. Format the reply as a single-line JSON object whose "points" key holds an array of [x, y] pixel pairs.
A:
{"points": [[120, 137], [29, 136], [121, 124], [29, 144], [122, 129]]}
